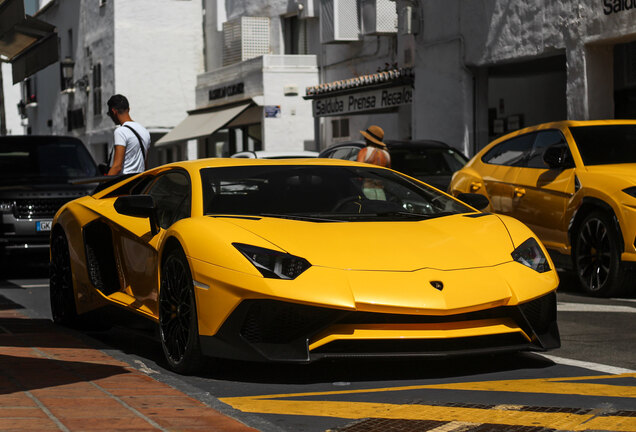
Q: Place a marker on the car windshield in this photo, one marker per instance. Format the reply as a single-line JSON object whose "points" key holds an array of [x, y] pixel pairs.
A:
{"points": [[603, 145], [426, 161], [62, 160], [321, 193]]}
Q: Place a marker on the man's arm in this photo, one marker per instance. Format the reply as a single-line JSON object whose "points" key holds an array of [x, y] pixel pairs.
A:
{"points": [[118, 160]]}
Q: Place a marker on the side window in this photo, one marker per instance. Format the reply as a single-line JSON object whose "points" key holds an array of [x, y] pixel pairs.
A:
{"points": [[171, 193], [545, 139], [511, 152], [342, 153]]}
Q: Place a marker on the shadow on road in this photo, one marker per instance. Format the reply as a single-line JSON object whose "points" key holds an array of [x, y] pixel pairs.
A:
{"points": [[25, 266]]}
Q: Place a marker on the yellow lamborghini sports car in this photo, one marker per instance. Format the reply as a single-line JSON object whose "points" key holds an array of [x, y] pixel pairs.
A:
{"points": [[299, 260], [574, 184]]}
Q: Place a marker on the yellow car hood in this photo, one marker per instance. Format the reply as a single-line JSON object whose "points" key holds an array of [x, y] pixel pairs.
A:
{"points": [[444, 243], [626, 172]]}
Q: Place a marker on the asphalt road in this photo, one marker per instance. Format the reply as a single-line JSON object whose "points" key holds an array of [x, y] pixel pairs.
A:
{"points": [[588, 384]]}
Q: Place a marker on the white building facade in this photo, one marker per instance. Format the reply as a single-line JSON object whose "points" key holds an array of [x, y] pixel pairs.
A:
{"points": [[479, 68], [258, 63], [486, 67], [151, 51]]}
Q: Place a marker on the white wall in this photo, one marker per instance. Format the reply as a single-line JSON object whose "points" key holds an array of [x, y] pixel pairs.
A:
{"points": [[11, 98], [294, 129], [158, 54]]}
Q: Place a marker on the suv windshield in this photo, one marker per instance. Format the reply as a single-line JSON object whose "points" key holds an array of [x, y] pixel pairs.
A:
{"points": [[321, 193], [426, 161], [602, 145], [59, 160]]}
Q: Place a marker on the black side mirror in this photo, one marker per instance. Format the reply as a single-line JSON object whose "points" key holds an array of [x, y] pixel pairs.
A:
{"points": [[554, 156], [142, 206], [477, 201]]}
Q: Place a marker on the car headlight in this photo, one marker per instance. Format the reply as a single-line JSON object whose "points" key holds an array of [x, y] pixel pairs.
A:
{"points": [[529, 254], [6, 206], [630, 191], [273, 264]]}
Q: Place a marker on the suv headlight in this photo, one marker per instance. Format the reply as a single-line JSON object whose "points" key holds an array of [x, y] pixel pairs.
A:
{"points": [[630, 191], [273, 264], [6, 206], [529, 254]]}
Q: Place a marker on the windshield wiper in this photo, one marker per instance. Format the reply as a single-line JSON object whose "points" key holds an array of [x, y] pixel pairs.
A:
{"points": [[404, 213], [300, 217]]}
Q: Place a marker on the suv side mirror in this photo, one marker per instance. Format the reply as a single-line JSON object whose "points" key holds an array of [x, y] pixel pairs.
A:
{"points": [[477, 201], [554, 156], [142, 206]]}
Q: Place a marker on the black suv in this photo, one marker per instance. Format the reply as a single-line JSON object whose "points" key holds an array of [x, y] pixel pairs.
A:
{"points": [[35, 175], [432, 162]]}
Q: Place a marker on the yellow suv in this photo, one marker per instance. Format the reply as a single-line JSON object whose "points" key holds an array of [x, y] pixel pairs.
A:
{"points": [[574, 184]]}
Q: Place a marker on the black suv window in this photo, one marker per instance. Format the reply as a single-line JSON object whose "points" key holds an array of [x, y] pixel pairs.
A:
{"points": [[545, 139], [606, 144], [346, 153], [55, 160], [511, 152], [171, 192]]}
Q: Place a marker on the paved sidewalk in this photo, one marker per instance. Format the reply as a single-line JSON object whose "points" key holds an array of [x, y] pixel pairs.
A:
{"points": [[51, 380]]}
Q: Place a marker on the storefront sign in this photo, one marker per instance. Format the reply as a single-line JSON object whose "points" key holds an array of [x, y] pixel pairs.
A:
{"points": [[616, 6], [363, 101], [227, 91]]}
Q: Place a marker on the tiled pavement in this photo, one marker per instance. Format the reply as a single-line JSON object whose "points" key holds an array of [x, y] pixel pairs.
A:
{"points": [[51, 380]]}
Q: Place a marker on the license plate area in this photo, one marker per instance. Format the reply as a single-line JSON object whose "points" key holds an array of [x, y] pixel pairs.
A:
{"points": [[43, 225]]}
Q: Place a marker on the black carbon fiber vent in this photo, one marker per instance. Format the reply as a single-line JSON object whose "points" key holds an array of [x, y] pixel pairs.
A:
{"points": [[277, 322], [540, 312]]}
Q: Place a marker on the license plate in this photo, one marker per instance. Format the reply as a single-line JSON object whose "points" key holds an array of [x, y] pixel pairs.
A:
{"points": [[44, 225]]}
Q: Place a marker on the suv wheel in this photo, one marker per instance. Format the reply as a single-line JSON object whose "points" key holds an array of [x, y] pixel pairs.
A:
{"points": [[596, 255]]}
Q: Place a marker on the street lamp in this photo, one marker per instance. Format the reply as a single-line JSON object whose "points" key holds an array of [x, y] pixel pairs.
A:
{"points": [[68, 66]]}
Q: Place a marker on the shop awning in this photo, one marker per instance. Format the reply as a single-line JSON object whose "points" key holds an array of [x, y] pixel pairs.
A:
{"points": [[202, 123], [27, 43]]}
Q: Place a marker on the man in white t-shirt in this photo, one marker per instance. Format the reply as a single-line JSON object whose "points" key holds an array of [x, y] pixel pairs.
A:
{"points": [[132, 140]]}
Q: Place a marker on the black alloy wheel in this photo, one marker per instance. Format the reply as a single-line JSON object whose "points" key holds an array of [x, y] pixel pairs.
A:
{"points": [[61, 282], [596, 253], [178, 325]]}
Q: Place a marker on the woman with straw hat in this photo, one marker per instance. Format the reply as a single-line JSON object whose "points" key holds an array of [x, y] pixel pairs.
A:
{"points": [[375, 152]]}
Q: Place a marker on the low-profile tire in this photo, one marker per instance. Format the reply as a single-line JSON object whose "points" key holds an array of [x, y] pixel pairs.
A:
{"points": [[61, 292], [596, 256], [178, 325]]}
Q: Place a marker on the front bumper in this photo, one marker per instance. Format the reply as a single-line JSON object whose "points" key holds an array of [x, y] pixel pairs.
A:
{"points": [[270, 330], [23, 235]]}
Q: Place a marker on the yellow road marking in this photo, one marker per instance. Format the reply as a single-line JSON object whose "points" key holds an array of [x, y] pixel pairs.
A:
{"points": [[281, 404], [358, 410]]}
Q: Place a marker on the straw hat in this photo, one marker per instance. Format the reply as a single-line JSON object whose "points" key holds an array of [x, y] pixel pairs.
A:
{"points": [[375, 134]]}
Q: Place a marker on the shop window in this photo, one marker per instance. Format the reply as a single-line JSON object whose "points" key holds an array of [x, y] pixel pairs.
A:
{"points": [[97, 89], [340, 128]]}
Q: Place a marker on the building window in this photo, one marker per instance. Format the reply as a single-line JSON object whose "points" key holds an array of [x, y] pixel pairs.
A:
{"points": [[75, 119], [29, 97], [97, 89], [340, 128], [295, 35]]}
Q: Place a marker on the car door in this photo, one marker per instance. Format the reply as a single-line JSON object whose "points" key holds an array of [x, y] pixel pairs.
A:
{"points": [[499, 169], [541, 194], [138, 248]]}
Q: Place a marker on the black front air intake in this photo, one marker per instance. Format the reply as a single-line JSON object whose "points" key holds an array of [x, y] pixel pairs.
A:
{"points": [[540, 313], [268, 321]]}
